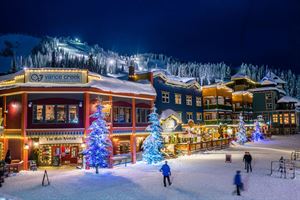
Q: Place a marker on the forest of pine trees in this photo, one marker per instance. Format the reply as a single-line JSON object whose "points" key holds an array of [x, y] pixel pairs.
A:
{"points": [[52, 52]]}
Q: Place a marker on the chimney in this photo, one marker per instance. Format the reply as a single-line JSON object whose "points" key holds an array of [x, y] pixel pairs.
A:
{"points": [[131, 69]]}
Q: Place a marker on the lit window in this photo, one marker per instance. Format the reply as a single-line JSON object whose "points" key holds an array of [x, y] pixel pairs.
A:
{"points": [[189, 101], [208, 116], [165, 97], [198, 101], [189, 115], [61, 113], [180, 115], [38, 113], [122, 115], [286, 118], [280, 119], [199, 116], [293, 120], [275, 118], [73, 114], [50, 113], [177, 98], [269, 106]]}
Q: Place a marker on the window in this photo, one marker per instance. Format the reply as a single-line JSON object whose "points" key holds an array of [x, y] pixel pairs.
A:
{"points": [[189, 115], [208, 117], [122, 115], [198, 101], [280, 119], [269, 106], [38, 113], [293, 120], [61, 113], [189, 101], [55, 114], [177, 98], [286, 119], [165, 97], [73, 114], [142, 115], [50, 113], [180, 115], [199, 116], [275, 118], [268, 96]]}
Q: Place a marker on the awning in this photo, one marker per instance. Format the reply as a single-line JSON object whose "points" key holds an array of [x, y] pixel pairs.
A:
{"points": [[46, 133]]}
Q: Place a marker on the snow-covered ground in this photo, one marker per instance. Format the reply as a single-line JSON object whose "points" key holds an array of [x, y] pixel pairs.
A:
{"points": [[200, 176]]}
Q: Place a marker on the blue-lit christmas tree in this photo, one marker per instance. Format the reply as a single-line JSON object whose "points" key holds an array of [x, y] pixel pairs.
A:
{"points": [[241, 136], [98, 142], [154, 142], [257, 135]]}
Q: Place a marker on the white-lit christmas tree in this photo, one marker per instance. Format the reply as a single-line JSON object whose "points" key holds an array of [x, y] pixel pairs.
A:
{"points": [[257, 134], [98, 141], [241, 136], [154, 142]]}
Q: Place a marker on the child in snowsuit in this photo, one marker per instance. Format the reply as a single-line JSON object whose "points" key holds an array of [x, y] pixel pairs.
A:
{"points": [[238, 182], [166, 172]]}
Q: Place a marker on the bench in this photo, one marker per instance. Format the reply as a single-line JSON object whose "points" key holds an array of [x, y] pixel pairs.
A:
{"points": [[15, 166]]}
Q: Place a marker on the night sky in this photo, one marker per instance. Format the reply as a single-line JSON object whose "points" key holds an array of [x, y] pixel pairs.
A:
{"points": [[234, 31]]}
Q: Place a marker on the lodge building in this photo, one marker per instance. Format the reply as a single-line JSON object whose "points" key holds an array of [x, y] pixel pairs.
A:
{"points": [[45, 113]]}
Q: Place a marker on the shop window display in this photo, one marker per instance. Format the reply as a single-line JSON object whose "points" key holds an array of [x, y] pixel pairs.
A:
{"points": [[61, 113], [50, 113], [73, 114]]}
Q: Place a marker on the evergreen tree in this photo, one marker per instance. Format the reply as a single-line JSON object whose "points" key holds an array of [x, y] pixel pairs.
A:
{"points": [[99, 144], [154, 142], [257, 135], [241, 134]]}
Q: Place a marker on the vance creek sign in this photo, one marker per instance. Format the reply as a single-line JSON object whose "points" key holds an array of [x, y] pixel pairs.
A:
{"points": [[55, 77]]}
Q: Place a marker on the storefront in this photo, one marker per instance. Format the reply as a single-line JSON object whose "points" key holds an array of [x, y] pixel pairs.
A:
{"points": [[45, 113]]}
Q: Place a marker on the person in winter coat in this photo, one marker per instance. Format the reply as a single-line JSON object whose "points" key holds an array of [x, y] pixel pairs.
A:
{"points": [[166, 172], [7, 157], [238, 182], [281, 165], [248, 159]]}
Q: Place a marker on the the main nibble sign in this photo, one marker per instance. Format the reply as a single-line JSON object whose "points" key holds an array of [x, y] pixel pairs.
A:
{"points": [[55, 77]]}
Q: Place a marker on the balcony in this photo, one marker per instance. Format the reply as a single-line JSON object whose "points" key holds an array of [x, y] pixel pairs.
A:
{"points": [[217, 121], [215, 106]]}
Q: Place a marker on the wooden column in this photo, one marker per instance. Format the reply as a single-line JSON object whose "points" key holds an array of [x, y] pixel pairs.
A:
{"points": [[5, 140], [24, 152], [132, 136], [86, 110], [110, 162]]}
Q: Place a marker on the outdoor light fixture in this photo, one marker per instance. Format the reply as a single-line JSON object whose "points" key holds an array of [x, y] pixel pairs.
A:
{"points": [[30, 104], [26, 146], [14, 105], [83, 145], [80, 104], [35, 144], [111, 61]]}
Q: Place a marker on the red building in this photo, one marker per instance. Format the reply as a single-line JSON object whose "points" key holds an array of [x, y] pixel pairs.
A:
{"points": [[45, 113]]}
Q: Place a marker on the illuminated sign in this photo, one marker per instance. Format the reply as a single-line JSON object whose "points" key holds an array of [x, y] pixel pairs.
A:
{"points": [[60, 140], [55, 77]]}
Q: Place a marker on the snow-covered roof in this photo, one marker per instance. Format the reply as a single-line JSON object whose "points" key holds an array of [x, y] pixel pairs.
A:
{"points": [[217, 85], [175, 80], [167, 113], [288, 99], [272, 78], [239, 75], [267, 89], [102, 83]]}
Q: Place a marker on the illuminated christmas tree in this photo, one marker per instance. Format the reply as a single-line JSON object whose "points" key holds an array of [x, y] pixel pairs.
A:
{"points": [[241, 136], [154, 142], [257, 135], [99, 143]]}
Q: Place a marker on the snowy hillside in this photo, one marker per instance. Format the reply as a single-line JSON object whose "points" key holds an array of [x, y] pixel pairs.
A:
{"points": [[15, 44], [71, 52]]}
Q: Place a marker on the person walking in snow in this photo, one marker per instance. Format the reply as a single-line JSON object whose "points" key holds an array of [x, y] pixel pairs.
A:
{"points": [[166, 172], [248, 159], [238, 183], [281, 166]]}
